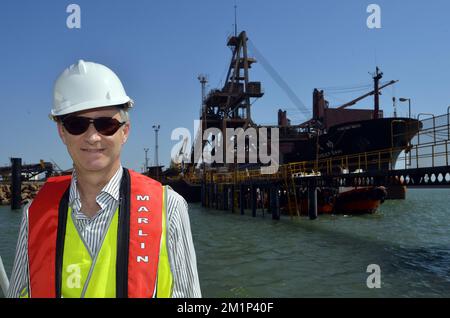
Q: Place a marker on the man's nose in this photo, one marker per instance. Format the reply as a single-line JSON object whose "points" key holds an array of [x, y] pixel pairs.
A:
{"points": [[92, 135]]}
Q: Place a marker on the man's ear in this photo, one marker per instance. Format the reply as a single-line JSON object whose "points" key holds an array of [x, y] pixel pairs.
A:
{"points": [[61, 132], [125, 132]]}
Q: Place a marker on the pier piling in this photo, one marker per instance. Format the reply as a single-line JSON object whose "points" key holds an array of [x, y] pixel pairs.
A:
{"points": [[312, 200], [232, 198], [254, 201], [216, 196], [225, 198], [241, 198], [275, 203], [16, 183], [208, 195], [203, 195]]}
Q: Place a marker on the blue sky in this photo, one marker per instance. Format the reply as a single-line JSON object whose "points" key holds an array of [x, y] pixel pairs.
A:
{"points": [[159, 47]]}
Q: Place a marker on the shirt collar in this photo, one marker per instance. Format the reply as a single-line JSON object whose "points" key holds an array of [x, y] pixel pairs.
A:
{"points": [[111, 189]]}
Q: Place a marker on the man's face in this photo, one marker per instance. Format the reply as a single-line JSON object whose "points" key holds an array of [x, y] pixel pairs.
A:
{"points": [[92, 151]]}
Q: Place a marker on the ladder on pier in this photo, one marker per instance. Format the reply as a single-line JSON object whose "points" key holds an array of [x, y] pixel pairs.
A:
{"points": [[291, 192]]}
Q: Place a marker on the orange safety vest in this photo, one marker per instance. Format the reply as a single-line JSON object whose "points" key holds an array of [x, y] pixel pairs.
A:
{"points": [[137, 241]]}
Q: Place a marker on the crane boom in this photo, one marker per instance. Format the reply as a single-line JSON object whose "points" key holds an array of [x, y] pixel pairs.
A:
{"points": [[353, 102]]}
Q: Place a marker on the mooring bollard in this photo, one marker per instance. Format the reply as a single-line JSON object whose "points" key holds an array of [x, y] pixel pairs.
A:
{"points": [[16, 183]]}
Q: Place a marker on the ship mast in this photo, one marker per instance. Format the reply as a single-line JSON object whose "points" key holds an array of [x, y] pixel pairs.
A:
{"points": [[376, 80], [354, 101], [235, 19]]}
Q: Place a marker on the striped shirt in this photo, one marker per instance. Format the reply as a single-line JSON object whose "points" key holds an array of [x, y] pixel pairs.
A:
{"points": [[91, 230]]}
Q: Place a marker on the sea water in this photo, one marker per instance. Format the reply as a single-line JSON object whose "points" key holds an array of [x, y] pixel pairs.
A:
{"points": [[245, 256]]}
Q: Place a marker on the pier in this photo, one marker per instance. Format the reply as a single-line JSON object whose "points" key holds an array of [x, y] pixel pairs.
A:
{"points": [[15, 188], [339, 158], [294, 188]]}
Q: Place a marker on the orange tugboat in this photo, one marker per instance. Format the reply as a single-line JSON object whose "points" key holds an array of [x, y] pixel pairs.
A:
{"points": [[349, 200], [359, 200]]}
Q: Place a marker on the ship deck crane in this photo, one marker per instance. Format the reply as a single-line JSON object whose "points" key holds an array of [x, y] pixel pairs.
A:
{"points": [[354, 101]]}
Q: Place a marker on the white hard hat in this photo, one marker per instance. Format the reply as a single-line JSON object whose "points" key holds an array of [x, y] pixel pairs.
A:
{"points": [[87, 85]]}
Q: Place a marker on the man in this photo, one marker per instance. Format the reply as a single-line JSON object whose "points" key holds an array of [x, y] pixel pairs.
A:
{"points": [[105, 231]]}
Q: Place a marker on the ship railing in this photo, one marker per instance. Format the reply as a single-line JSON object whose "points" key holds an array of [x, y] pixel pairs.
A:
{"points": [[429, 148], [434, 127], [448, 122], [428, 155], [425, 155]]}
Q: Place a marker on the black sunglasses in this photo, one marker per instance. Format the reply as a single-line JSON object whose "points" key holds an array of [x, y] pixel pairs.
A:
{"points": [[77, 125]]}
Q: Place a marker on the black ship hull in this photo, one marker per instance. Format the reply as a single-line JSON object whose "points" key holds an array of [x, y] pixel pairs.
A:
{"points": [[367, 136], [189, 191]]}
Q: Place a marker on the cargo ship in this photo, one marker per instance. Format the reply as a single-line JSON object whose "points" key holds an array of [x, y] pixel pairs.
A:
{"points": [[337, 132], [330, 133]]}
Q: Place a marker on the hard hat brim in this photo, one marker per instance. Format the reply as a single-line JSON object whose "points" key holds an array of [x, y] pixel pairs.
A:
{"points": [[92, 105]]}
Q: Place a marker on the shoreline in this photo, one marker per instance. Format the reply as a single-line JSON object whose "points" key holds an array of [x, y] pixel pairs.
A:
{"points": [[29, 190]]}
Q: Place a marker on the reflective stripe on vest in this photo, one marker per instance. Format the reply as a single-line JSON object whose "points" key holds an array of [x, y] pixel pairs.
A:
{"points": [[164, 286], [83, 276], [132, 261]]}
